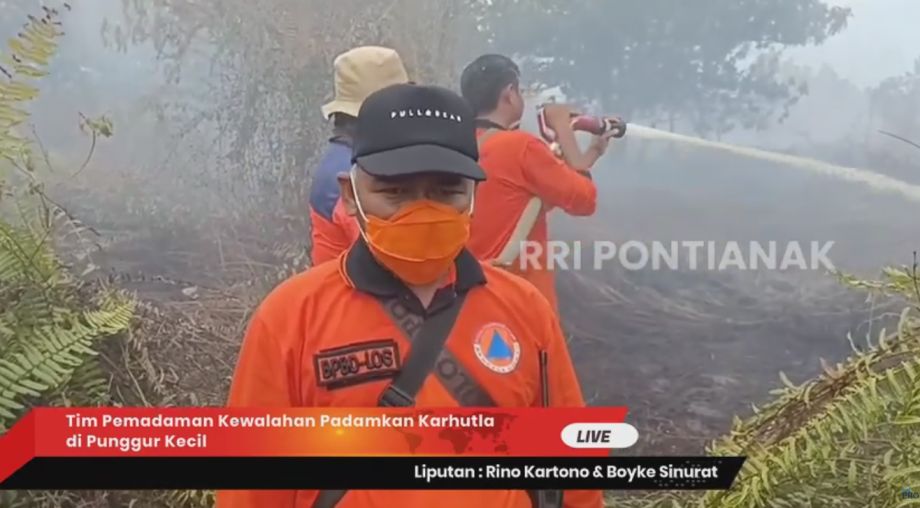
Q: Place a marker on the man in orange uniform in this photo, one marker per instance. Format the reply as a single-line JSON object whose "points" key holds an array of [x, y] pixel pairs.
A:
{"points": [[358, 73], [520, 166], [411, 189]]}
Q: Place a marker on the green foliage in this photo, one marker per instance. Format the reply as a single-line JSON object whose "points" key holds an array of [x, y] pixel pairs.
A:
{"points": [[191, 498], [44, 345], [713, 64], [48, 335], [896, 103], [846, 438], [665, 58], [29, 55], [250, 93]]}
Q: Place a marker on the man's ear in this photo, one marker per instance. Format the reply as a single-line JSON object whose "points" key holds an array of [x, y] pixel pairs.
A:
{"points": [[506, 96], [511, 94], [347, 194], [473, 198]]}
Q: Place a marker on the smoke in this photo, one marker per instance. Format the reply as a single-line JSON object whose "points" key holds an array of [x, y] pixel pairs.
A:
{"points": [[683, 347], [871, 179]]}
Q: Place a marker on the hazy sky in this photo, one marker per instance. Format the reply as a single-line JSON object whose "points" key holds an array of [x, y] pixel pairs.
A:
{"points": [[881, 40]]}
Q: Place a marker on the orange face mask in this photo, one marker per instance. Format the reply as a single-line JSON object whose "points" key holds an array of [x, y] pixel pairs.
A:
{"points": [[418, 243]]}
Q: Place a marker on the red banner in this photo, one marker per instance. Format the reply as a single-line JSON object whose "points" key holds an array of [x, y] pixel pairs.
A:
{"points": [[303, 432]]}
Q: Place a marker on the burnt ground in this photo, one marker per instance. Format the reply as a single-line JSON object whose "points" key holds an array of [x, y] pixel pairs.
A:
{"points": [[685, 350]]}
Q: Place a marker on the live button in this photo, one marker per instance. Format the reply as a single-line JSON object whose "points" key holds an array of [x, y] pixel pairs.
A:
{"points": [[599, 435]]}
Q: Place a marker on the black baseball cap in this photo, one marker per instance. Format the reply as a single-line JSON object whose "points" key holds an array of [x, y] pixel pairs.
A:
{"points": [[406, 129], [483, 80]]}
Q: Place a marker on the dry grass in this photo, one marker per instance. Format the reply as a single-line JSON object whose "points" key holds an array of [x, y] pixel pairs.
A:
{"points": [[684, 350]]}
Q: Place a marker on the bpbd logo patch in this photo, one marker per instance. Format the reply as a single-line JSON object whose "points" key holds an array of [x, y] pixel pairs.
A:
{"points": [[356, 363], [497, 348]]}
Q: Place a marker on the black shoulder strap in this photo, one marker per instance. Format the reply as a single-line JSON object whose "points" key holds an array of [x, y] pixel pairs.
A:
{"points": [[546, 498], [426, 347], [452, 374], [428, 339]]}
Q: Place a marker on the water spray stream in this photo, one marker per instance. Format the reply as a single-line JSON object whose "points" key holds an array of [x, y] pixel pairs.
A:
{"points": [[875, 180]]}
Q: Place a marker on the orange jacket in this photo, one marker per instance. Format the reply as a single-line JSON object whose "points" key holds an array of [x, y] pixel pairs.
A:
{"points": [[332, 229], [309, 316], [334, 236], [520, 166]]}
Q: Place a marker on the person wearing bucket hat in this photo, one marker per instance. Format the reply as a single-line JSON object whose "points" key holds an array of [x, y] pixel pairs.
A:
{"points": [[358, 73]]}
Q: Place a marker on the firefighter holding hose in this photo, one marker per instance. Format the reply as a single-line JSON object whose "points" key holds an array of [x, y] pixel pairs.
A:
{"points": [[526, 178]]}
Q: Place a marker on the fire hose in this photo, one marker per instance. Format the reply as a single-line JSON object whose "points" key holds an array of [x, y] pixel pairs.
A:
{"points": [[596, 125]]}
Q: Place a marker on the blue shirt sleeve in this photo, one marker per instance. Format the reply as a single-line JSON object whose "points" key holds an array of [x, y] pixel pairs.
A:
{"points": [[324, 192]]}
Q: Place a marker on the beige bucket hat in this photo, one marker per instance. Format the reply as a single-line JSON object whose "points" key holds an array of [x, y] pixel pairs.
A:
{"points": [[360, 72]]}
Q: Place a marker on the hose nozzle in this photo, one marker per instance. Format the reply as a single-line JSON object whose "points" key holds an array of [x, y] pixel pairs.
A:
{"points": [[596, 125], [600, 125]]}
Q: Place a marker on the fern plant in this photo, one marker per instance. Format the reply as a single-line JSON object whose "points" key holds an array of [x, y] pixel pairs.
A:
{"points": [[847, 438], [48, 330]]}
